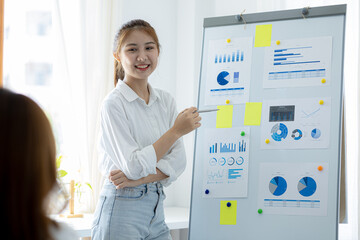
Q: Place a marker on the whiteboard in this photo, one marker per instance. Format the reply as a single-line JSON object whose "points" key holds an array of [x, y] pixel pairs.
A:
{"points": [[282, 178]]}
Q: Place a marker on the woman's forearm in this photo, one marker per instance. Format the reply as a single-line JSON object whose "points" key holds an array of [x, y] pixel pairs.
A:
{"points": [[119, 179], [164, 143], [186, 121], [153, 177]]}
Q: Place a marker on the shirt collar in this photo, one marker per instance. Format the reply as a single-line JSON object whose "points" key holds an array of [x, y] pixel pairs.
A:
{"points": [[130, 95]]}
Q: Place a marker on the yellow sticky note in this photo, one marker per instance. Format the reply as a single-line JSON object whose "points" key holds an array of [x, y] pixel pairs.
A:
{"points": [[228, 214], [224, 116], [252, 113], [263, 35]]}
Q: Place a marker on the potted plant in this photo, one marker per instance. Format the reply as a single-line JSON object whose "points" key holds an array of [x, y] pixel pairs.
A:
{"points": [[76, 187]]}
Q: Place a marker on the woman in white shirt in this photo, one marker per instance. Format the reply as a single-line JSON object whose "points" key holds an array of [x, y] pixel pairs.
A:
{"points": [[140, 142]]}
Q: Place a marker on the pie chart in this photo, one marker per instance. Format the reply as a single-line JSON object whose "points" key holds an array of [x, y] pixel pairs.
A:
{"points": [[279, 131], [213, 162], [316, 133], [222, 161], [296, 134], [239, 160], [231, 161], [223, 78], [277, 186], [307, 186]]}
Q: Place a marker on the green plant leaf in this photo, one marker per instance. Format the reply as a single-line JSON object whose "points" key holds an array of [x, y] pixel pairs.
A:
{"points": [[61, 173], [58, 162], [89, 185]]}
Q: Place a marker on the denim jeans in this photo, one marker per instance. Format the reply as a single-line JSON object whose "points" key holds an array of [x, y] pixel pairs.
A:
{"points": [[130, 214]]}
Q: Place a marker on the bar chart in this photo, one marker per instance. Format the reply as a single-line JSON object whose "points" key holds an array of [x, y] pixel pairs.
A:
{"points": [[295, 56], [228, 147], [298, 62], [237, 56], [224, 148]]}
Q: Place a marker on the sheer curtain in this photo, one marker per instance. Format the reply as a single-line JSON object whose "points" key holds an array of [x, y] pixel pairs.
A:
{"points": [[84, 36]]}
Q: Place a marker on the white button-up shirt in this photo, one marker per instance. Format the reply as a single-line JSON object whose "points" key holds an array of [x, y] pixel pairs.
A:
{"points": [[128, 129]]}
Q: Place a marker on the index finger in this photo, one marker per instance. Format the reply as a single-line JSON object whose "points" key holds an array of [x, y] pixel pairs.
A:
{"points": [[193, 109]]}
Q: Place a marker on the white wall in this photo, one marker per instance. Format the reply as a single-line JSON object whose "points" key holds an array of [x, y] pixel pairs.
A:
{"points": [[161, 14]]}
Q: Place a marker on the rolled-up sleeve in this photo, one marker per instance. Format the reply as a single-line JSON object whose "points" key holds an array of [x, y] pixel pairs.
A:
{"points": [[119, 147], [174, 162]]}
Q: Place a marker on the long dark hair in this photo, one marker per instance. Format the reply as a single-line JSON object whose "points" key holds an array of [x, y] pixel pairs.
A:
{"points": [[27, 168], [136, 24]]}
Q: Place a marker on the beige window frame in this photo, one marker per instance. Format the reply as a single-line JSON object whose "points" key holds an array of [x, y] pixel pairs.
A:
{"points": [[1, 40]]}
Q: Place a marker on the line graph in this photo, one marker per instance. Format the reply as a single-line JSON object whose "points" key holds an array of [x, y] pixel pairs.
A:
{"points": [[310, 114], [216, 175]]}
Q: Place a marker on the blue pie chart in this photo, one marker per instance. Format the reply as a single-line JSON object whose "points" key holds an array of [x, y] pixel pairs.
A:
{"points": [[296, 134], [279, 131], [222, 161], [223, 78], [239, 160], [316, 133], [213, 162], [231, 161], [307, 186], [277, 186]]}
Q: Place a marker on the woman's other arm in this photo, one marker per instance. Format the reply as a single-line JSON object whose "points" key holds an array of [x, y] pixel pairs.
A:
{"points": [[119, 179]]}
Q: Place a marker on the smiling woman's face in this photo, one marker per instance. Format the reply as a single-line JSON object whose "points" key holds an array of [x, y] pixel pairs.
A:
{"points": [[138, 55]]}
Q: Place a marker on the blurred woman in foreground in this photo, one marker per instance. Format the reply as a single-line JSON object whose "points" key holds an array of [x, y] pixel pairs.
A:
{"points": [[27, 171]]}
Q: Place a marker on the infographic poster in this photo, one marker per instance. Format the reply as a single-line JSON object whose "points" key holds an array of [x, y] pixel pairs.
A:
{"points": [[226, 162], [298, 63], [228, 71], [293, 188], [296, 123]]}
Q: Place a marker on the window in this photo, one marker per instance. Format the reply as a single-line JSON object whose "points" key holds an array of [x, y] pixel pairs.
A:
{"points": [[31, 64]]}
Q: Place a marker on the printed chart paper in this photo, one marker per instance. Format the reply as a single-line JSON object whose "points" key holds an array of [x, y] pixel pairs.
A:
{"points": [[226, 162], [228, 71], [293, 188], [296, 123], [298, 63]]}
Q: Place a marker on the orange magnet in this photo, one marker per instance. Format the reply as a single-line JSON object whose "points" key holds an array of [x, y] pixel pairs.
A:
{"points": [[320, 168]]}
